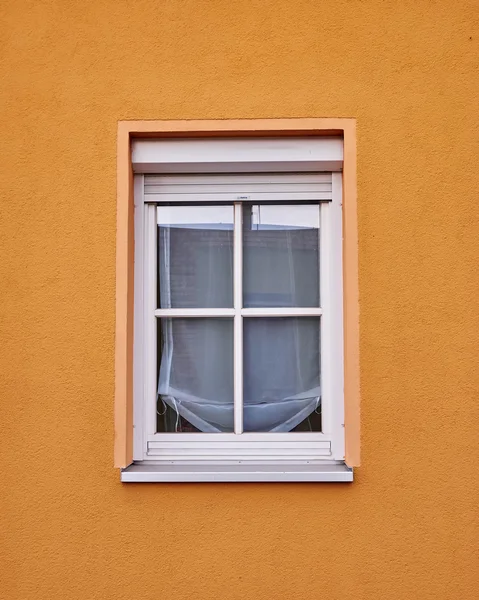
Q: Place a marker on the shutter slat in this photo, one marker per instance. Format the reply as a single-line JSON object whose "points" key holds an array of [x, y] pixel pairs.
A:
{"points": [[275, 187], [249, 188], [237, 450], [240, 178]]}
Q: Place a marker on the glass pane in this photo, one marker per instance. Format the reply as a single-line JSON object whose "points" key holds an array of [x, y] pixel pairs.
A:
{"points": [[195, 256], [282, 374], [195, 375], [281, 255]]}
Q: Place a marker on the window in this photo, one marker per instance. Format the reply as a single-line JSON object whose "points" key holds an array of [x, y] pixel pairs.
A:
{"points": [[238, 310]]}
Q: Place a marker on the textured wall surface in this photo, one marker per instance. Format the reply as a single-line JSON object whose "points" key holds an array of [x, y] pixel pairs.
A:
{"points": [[408, 71]]}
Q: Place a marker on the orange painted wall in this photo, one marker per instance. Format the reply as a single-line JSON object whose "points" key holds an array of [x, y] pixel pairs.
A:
{"points": [[407, 527]]}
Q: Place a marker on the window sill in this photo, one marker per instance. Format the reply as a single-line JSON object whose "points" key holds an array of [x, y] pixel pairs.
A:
{"points": [[141, 473]]}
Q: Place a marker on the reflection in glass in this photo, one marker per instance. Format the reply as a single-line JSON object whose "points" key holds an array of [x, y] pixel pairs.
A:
{"points": [[195, 256], [280, 255], [195, 375], [282, 374]]}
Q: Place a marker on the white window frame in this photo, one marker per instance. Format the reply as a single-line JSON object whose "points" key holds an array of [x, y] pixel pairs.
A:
{"points": [[188, 456]]}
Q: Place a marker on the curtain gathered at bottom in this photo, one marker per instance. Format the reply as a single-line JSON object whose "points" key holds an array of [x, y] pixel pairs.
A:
{"points": [[281, 355]]}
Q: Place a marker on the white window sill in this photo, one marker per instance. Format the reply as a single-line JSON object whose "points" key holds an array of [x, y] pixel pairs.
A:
{"points": [[142, 473]]}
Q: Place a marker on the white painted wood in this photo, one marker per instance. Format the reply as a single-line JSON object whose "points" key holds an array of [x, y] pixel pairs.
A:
{"points": [[239, 450], [326, 304], [237, 195], [313, 191], [214, 449], [149, 320], [266, 445], [238, 178], [286, 187], [282, 312], [228, 155], [186, 313], [189, 188], [138, 354], [267, 453], [301, 472], [246, 437], [230, 446], [336, 349], [238, 320]]}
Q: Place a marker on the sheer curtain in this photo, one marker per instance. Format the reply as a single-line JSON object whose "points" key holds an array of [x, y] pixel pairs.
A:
{"points": [[281, 355]]}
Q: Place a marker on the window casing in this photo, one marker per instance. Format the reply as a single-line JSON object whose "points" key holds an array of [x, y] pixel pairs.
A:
{"points": [[151, 191]]}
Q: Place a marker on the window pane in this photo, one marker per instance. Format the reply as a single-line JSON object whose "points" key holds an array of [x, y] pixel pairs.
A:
{"points": [[281, 255], [195, 256], [195, 375], [282, 374]]}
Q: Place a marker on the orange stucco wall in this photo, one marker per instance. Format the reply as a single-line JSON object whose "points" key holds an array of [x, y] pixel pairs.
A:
{"points": [[407, 527]]}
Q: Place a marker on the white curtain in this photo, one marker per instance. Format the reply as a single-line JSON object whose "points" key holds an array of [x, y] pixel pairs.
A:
{"points": [[281, 355]]}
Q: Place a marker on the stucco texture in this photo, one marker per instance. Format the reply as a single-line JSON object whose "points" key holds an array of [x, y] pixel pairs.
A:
{"points": [[408, 71]]}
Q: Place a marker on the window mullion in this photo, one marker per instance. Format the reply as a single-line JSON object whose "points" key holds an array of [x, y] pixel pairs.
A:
{"points": [[238, 319]]}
